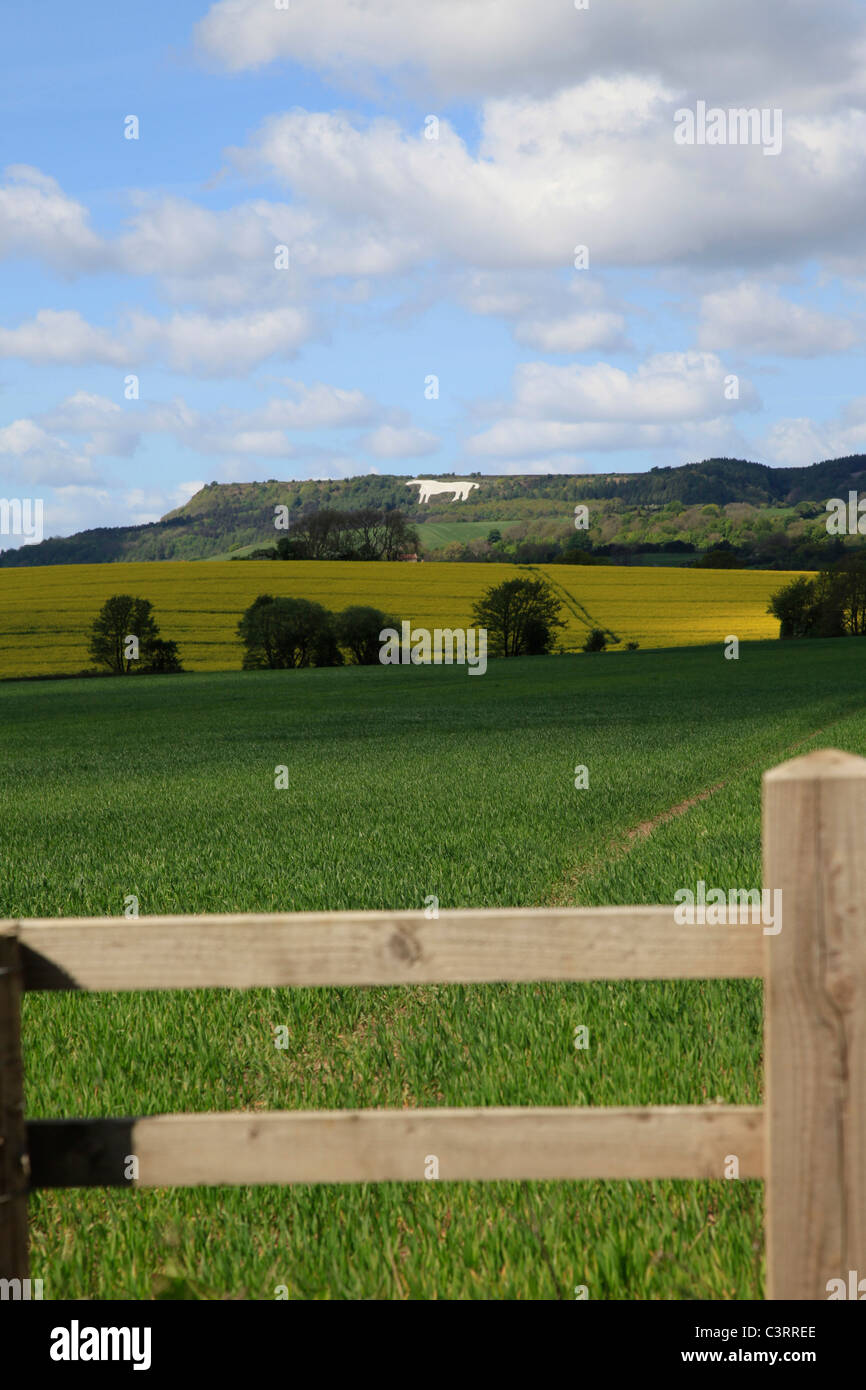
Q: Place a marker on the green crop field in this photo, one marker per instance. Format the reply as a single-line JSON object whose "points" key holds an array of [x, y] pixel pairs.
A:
{"points": [[403, 782], [434, 534]]}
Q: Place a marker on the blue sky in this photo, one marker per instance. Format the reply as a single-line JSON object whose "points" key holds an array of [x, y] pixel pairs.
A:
{"points": [[413, 257]]}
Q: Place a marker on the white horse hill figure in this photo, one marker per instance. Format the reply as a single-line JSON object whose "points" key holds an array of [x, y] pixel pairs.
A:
{"points": [[460, 487]]}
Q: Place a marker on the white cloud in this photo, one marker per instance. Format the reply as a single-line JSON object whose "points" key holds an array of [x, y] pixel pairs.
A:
{"points": [[545, 310], [61, 337], [261, 430], [84, 411], [789, 47], [32, 455], [668, 386], [574, 333], [173, 236], [539, 185], [604, 407], [796, 442], [38, 449], [38, 219], [759, 321], [319, 406], [203, 344], [593, 164], [260, 443], [112, 429], [198, 344], [517, 438]]}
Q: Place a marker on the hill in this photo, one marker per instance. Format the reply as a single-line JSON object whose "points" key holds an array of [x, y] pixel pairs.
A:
{"points": [[224, 518], [734, 480]]}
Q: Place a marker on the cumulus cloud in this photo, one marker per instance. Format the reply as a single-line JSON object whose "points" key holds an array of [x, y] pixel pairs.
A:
{"points": [[546, 310], [199, 344], [319, 406], [603, 407], [758, 320], [218, 259], [594, 164], [577, 332], [539, 185], [33, 456], [174, 236], [796, 442], [790, 47], [110, 429], [61, 337], [262, 431], [202, 343], [40, 448], [668, 386], [38, 219]]}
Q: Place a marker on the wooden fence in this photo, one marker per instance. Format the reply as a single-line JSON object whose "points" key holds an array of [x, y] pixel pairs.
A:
{"points": [[808, 1141]]}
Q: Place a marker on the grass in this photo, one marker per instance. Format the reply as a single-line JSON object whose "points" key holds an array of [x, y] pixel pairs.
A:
{"points": [[431, 534], [435, 534], [403, 782], [45, 613]]}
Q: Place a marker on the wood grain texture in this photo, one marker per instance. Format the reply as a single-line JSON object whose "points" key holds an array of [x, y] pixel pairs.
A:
{"points": [[14, 1172], [381, 948], [395, 1145], [815, 1024]]}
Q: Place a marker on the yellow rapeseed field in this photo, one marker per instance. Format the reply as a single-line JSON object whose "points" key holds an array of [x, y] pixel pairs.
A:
{"points": [[45, 613]]}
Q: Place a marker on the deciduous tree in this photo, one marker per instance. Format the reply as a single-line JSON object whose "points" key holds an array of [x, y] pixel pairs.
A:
{"points": [[122, 617], [521, 617]]}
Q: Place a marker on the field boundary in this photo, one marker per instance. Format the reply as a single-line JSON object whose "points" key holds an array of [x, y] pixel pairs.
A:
{"points": [[808, 1141]]}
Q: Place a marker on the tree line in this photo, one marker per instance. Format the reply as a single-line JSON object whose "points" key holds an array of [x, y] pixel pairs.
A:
{"points": [[832, 604], [331, 534], [521, 618], [767, 551], [286, 633]]}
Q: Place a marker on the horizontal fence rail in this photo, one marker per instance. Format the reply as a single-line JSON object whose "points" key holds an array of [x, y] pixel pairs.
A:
{"points": [[313, 1146], [808, 1141], [382, 948]]}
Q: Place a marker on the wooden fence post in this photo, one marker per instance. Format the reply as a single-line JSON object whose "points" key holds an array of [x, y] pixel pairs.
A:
{"points": [[814, 835], [14, 1261]]}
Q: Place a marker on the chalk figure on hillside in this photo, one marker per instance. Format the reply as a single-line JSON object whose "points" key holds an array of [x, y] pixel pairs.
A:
{"points": [[428, 488]]}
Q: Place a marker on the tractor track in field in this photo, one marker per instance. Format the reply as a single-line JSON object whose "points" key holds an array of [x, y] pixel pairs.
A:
{"points": [[574, 606], [621, 845]]}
